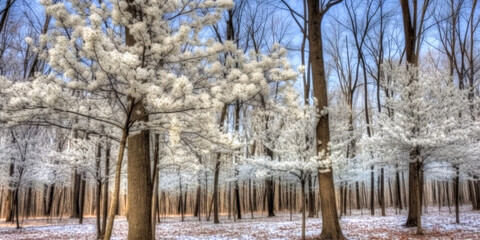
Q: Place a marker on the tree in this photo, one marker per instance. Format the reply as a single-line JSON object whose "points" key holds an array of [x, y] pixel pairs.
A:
{"points": [[316, 11]]}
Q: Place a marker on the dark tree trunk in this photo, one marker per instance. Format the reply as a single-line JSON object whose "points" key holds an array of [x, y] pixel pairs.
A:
{"points": [[372, 191], [105, 189], [413, 183], [304, 206], [311, 197], [81, 204], [382, 191], [215, 191], [270, 192], [456, 193], [399, 190], [76, 195], [98, 190], [50, 200], [357, 194]]}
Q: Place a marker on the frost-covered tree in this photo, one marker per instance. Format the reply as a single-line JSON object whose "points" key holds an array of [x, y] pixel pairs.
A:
{"points": [[429, 120], [126, 67]]}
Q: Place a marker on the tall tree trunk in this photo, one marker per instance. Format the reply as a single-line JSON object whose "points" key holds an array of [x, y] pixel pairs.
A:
{"points": [[457, 193], [98, 192], [311, 197], [215, 190], [76, 194], [116, 188], [413, 35], [330, 224], [398, 189], [139, 184], [3, 19], [10, 196], [81, 200], [412, 192], [302, 182], [155, 179], [139, 180], [16, 203], [382, 191], [357, 194], [105, 190], [50, 200], [217, 173]]}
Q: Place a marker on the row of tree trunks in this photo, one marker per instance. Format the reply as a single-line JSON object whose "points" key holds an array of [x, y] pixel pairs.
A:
{"points": [[441, 194]]}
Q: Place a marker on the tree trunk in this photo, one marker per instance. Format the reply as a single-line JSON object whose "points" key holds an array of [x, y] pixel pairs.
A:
{"points": [[139, 186], [303, 209], [105, 190], [382, 191], [16, 203], [372, 191], [237, 200], [116, 189], [357, 194], [330, 225], [270, 192], [412, 191], [155, 179], [98, 190], [398, 190], [457, 191], [311, 197], [215, 191]]}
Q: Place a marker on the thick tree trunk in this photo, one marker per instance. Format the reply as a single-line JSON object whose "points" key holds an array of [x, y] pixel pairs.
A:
{"points": [[412, 192], [330, 224], [50, 200], [139, 185], [76, 195], [418, 197], [270, 192], [196, 209]]}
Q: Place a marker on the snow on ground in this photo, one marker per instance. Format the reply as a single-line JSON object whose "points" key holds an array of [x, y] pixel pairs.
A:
{"points": [[360, 225]]}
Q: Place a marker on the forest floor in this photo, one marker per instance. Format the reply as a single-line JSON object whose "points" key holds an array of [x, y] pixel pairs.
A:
{"points": [[359, 225]]}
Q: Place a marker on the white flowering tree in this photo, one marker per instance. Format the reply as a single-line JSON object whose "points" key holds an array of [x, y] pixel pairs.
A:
{"points": [[430, 119], [123, 68]]}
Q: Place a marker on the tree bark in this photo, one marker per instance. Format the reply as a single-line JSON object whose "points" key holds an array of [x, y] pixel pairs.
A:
{"points": [[457, 194], [382, 191], [98, 190], [139, 182], [116, 189], [105, 189], [330, 224], [303, 209], [215, 190]]}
